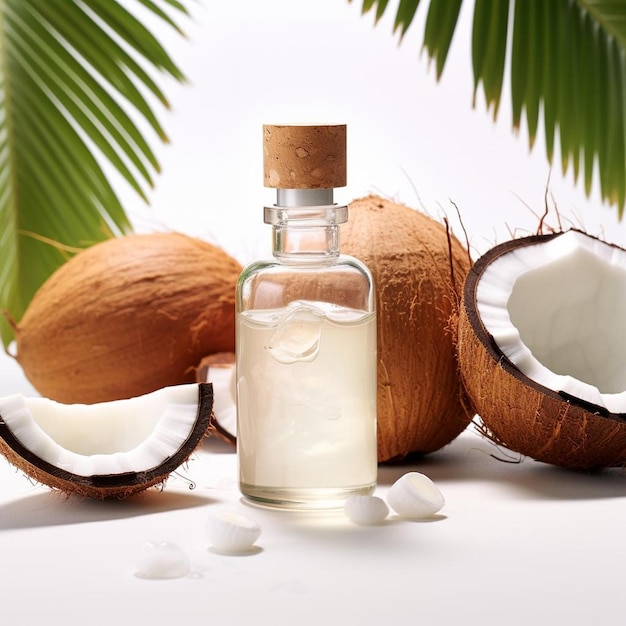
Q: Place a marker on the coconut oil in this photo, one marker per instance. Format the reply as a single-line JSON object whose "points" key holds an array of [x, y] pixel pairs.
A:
{"points": [[306, 339], [321, 413]]}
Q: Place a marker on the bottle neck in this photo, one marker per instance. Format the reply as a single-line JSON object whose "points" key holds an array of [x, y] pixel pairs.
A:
{"points": [[304, 197], [305, 225]]}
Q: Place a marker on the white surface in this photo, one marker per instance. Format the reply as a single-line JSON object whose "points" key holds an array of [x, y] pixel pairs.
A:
{"points": [[515, 543]]}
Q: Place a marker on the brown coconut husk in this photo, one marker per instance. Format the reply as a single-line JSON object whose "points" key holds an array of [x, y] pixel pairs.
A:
{"points": [[520, 414], [419, 269], [128, 316]]}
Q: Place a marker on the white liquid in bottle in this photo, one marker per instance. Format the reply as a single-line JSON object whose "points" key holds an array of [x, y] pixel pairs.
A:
{"points": [[307, 414]]}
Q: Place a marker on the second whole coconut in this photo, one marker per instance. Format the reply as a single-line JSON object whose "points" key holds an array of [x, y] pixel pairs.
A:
{"points": [[419, 268], [128, 316]]}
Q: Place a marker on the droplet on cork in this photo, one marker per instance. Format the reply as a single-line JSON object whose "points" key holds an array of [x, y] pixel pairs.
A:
{"points": [[304, 157]]}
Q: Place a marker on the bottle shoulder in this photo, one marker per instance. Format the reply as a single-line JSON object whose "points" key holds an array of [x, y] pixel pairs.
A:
{"points": [[351, 261], [274, 283], [341, 262]]}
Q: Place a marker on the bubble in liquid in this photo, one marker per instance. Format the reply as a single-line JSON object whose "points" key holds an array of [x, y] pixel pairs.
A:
{"points": [[297, 334], [161, 559]]}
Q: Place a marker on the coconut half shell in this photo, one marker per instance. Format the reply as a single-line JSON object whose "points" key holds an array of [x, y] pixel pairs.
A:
{"points": [[541, 348], [106, 450], [219, 370]]}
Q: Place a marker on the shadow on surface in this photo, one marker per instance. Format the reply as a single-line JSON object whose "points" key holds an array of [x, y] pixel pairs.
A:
{"points": [[215, 445], [52, 508], [471, 457]]}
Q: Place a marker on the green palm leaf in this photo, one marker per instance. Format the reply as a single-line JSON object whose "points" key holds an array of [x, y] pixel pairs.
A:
{"points": [[567, 64], [73, 73]]}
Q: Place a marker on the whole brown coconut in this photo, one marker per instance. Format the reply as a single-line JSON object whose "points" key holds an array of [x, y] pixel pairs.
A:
{"points": [[418, 268], [519, 413], [128, 316]]}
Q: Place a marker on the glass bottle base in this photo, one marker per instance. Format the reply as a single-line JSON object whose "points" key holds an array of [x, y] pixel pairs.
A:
{"points": [[310, 499]]}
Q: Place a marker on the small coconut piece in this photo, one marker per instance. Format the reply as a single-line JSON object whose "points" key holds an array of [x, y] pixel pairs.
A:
{"points": [[128, 316], [219, 370], [419, 269], [415, 496], [366, 510], [109, 449], [162, 559], [230, 532], [542, 347]]}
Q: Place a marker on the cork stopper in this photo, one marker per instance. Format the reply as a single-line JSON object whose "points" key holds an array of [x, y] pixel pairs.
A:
{"points": [[304, 157]]}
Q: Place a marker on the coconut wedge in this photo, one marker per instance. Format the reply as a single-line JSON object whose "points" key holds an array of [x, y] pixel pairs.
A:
{"points": [[109, 449], [219, 370], [542, 348]]}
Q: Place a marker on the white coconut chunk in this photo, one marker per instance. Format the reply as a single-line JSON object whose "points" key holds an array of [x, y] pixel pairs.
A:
{"points": [[106, 438], [230, 532], [415, 496], [566, 300], [162, 559], [366, 510]]}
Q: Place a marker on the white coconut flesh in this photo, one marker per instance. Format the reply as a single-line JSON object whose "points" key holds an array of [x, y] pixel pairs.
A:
{"points": [[557, 311], [219, 370], [108, 438], [225, 403]]}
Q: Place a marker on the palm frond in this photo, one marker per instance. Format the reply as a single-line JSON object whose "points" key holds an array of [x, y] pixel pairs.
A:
{"points": [[380, 5], [567, 66], [440, 26], [73, 74]]}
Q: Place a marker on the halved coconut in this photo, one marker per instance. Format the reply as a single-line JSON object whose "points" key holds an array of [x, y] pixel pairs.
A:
{"points": [[542, 348], [109, 449], [219, 370]]}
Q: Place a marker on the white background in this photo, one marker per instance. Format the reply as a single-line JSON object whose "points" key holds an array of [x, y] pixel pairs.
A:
{"points": [[410, 138], [515, 542]]}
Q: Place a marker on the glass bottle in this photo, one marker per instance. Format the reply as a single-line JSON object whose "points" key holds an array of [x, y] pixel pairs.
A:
{"points": [[306, 338]]}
